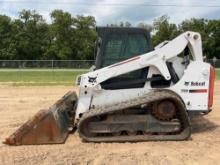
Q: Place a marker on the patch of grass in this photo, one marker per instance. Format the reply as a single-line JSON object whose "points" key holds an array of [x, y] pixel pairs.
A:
{"points": [[217, 74], [40, 77]]}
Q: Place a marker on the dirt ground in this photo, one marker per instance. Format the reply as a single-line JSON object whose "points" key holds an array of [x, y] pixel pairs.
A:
{"points": [[17, 104]]}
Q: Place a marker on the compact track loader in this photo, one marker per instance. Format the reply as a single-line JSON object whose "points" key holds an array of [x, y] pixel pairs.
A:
{"points": [[134, 93]]}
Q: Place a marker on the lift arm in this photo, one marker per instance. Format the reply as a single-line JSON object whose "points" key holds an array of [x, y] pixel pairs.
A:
{"points": [[155, 58]]}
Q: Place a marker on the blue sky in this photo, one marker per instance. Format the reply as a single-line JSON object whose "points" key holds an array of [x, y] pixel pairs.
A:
{"points": [[107, 14]]}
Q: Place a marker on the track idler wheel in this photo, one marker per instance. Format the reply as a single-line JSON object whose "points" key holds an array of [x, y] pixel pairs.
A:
{"points": [[164, 110]]}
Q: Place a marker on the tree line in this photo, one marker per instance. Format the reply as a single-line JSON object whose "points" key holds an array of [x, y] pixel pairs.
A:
{"points": [[209, 30], [30, 37]]}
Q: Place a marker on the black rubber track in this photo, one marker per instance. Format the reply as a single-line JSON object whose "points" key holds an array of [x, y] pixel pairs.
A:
{"points": [[154, 95]]}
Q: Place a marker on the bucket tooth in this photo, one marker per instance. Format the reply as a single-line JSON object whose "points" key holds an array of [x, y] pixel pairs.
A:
{"points": [[49, 126]]}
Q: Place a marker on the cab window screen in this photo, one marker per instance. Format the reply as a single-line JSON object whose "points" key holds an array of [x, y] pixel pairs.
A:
{"points": [[136, 45], [114, 49], [120, 47]]}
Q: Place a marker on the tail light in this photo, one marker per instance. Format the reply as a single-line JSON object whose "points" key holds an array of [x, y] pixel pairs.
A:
{"points": [[211, 86]]}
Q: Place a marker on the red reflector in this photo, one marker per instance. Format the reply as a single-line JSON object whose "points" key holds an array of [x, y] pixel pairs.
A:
{"points": [[211, 86], [198, 91]]}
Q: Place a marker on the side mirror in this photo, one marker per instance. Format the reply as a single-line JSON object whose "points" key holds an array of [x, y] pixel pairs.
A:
{"points": [[99, 42], [92, 68], [97, 46]]}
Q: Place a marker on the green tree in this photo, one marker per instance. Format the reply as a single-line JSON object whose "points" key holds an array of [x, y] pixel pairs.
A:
{"points": [[7, 46], [213, 42], [71, 37], [198, 25], [60, 36], [163, 30], [30, 35], [85, 36]]}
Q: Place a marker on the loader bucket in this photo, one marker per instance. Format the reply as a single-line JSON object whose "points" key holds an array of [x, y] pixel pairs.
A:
{"points": [[49, 126]]}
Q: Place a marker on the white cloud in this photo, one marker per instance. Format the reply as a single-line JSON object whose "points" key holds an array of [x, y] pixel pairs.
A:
{"points": [[114, 14]]}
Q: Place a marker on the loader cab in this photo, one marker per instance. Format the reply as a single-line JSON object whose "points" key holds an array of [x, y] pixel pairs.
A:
{"points": [[115, 44]]}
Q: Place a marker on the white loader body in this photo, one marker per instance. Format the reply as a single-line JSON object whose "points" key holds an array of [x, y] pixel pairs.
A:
{"points": [[193, 85]]}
